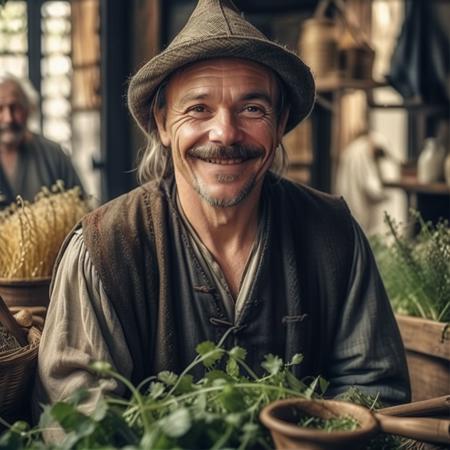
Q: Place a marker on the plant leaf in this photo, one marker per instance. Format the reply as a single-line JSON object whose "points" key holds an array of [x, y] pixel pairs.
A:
{"points": [[156, 390], [294, 383], [184, 385], [323, 384], [272, 364], [296, 359], [177, 423], [210, 353], [214, 375], [68, 416], [168, 377], [238, 353], [232, 367]]}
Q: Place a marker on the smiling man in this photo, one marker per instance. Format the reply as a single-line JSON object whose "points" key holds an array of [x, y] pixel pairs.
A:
{"points": [[215, 240]]}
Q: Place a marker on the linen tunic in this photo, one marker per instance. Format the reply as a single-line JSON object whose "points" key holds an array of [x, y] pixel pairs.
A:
{"points": [[82, 326], [41, 162]]}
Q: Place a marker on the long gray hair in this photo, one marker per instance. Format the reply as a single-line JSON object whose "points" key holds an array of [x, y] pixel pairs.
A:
{"points": [[155, 161], [29, 98]]}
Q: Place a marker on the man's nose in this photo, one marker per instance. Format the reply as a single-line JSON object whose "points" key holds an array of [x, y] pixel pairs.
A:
{"points": [[6, 114], [225, 128]]}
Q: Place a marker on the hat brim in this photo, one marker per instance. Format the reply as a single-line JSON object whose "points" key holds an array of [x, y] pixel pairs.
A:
{"points": [[293, 72]]}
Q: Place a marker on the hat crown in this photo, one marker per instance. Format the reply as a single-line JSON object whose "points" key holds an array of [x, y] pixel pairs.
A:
{"points": [[214, 18], [216, 29]]}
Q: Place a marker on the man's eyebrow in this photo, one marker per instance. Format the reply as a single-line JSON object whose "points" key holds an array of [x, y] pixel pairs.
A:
{"points": [[258, 95], [254, 95], [193, 96]]}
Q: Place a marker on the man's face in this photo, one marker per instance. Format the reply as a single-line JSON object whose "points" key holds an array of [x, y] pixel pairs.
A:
{"points": [[13, 115], [221, 125]]}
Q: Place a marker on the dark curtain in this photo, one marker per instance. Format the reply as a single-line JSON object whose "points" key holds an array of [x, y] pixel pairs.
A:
{"points": [[420, 65]]}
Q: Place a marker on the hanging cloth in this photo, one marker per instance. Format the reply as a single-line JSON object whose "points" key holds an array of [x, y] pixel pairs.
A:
{"points": [[420, 64]]}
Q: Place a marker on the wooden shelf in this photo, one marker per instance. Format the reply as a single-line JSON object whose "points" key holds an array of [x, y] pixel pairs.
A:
{"points": [[419, 108], [412, 185], [335, 83]]}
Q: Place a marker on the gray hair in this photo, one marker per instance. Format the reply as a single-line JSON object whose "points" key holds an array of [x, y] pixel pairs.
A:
{"points": [[29, 95], [26, 89], [155, 161]]}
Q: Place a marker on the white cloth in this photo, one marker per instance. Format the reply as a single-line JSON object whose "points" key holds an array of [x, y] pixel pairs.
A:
{"points": [[358, 180]]}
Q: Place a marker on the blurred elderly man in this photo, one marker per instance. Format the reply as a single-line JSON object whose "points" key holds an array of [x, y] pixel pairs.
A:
{"points": [[28, 161], [216, 241]]}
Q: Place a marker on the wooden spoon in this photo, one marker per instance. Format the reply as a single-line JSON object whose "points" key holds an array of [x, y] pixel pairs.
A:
{"points": [[419, 428], [432, 406]]}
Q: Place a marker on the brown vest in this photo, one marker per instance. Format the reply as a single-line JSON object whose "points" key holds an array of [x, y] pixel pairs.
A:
{"points": [[166, 304]]}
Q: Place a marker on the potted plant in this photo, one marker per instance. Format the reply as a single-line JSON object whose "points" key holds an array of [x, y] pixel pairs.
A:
{"points": [[415, 267]]}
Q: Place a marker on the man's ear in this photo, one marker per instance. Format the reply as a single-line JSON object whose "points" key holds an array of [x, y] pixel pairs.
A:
{"points": [[282, 123], [160, 119]]}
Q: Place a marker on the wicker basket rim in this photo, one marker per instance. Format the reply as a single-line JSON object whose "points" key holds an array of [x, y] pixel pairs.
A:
{"points": [[18, 358], [24, 352]]}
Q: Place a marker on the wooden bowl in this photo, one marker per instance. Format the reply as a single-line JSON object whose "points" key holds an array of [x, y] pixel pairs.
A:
{"points": [[281, 418]]}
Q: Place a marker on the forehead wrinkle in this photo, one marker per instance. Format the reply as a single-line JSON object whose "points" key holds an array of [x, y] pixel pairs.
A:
{"points": [[202, 81], [248, 96], [193, 96]]}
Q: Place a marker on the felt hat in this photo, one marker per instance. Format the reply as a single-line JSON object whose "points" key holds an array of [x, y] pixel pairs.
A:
{"points": [[216, 29]]}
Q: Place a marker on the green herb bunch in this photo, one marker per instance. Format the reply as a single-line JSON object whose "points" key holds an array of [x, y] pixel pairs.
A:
{"points": [[416, 270], [172, 411], [342, 423], [381, 441]]}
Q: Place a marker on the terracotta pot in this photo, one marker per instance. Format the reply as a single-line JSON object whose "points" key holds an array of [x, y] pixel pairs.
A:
{"points": [[281, 418], [32, 293]]}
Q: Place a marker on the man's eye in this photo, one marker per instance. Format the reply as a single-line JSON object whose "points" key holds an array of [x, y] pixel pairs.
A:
{"points": [[197, 109], [253, 110]]}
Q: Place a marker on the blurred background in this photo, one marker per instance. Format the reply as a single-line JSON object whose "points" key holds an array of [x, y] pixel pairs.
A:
{"points": [[381, 68]]}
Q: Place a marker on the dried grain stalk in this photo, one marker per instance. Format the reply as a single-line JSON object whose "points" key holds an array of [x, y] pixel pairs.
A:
{"points": [[32, 233]]}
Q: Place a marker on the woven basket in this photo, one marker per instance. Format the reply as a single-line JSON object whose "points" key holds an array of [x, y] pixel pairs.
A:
{"points": [[17, 369]]}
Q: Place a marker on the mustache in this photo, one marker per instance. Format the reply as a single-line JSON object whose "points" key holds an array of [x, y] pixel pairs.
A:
{"points": [[12, 127], [215, 151]]}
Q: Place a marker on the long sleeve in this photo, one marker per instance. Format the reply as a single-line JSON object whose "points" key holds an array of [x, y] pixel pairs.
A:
{"points": [[368, 351], [80, 327]]}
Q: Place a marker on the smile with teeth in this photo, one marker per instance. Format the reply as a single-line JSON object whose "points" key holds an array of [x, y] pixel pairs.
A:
{"points": [[226, 162]]}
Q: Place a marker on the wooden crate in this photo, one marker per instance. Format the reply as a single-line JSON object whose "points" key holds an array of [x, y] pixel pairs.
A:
{"points": [[427, 345]]}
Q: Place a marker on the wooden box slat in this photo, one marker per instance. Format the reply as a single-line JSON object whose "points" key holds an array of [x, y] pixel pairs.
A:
{"points": [[427, 345], [425, 336]]}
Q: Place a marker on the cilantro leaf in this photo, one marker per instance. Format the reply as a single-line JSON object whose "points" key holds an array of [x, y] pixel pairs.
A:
{"points": [[210, 353], [272, 364], [177, 423]]}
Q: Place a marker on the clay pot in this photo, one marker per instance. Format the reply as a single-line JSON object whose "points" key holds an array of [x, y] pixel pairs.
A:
{"points": [[281, 418]]}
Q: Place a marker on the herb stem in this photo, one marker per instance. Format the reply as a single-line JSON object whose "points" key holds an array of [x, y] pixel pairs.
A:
{"points": [[137, 396], [269, 387]]}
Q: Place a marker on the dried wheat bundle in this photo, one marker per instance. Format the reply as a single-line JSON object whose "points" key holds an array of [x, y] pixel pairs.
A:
{"points": [[32, 233]]}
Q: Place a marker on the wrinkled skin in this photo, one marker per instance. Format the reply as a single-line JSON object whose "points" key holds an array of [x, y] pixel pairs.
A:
{"points": [[13, 116], [221, 124]]}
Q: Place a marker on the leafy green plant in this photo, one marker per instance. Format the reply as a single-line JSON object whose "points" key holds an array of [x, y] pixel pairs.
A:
{"points": [[416, 270], [170, 411]]}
